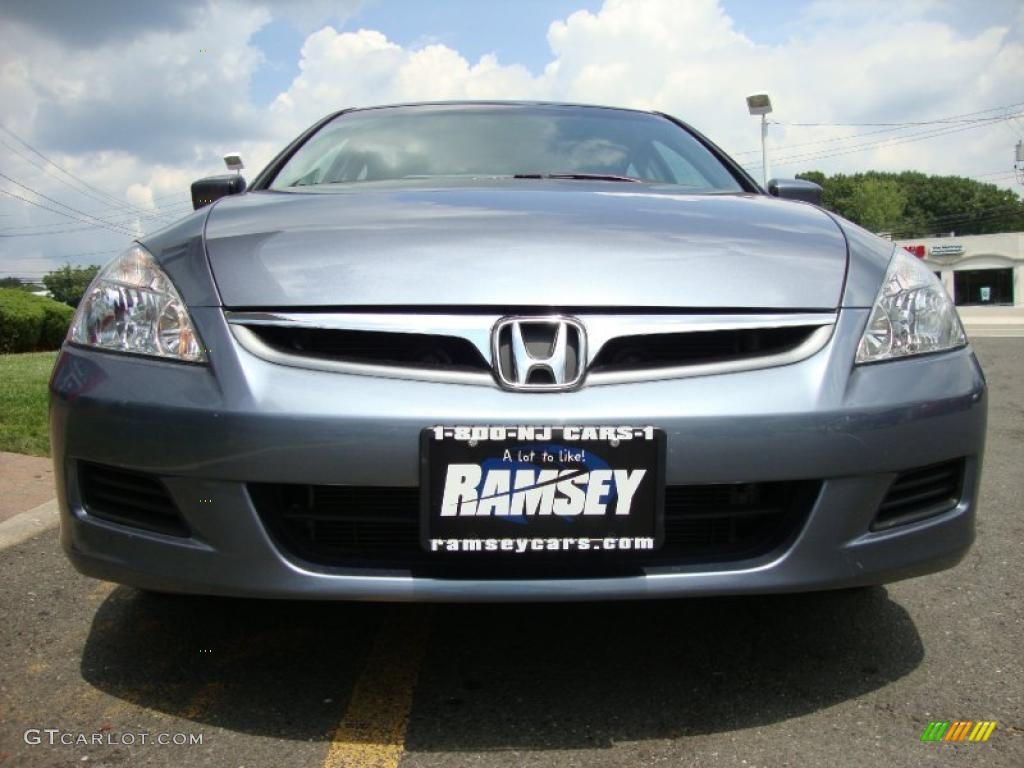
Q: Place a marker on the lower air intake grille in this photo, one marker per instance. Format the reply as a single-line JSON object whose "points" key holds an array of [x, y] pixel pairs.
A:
{"points": [[378, 527], [129, 498], [920, 493]]}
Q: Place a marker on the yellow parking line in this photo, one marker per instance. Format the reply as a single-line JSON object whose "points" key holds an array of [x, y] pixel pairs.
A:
{"points": [[372, 732], [125, 699], [85, 702], [202, 700], [102, 590]]}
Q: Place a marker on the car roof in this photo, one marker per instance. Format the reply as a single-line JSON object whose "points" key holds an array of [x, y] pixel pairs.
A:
{"points": [[500, 103]]}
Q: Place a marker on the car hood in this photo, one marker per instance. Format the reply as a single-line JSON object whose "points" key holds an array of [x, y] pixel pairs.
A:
{"points": [[521, 243]]}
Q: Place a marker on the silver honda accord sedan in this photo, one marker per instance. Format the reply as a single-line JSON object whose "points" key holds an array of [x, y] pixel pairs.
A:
{"points": [[513, 351]]}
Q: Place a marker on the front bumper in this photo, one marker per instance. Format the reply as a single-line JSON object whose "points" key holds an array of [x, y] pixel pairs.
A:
{"points": [[208, 431]]}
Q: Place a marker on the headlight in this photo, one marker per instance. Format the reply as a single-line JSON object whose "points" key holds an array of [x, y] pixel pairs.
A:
{"points": [[913, 314], [132, 306]]}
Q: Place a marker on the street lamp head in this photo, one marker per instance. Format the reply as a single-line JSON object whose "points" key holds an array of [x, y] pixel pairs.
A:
{"points": [[233, 161], [759, 104]]}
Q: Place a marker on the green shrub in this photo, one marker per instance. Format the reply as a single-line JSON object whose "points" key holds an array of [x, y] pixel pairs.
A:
{"points": [[31, 323], [55, 324]]}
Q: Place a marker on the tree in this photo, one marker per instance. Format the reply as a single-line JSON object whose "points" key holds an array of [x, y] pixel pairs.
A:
{"points": [[876, 203], [68, 283], [15, 282], [912, 204]]}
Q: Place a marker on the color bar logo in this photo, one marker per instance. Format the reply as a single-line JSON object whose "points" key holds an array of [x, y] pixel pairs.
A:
{"points": [[958, 730]]}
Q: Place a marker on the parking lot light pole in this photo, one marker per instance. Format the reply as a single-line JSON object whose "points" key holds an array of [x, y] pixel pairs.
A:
{"points": [[760, 104]]}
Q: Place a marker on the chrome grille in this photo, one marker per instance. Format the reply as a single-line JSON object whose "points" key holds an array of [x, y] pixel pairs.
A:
{"points": [[665, 350], [461, 348], [417, 350]]}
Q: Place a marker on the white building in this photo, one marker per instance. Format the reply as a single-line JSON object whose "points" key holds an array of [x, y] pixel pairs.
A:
{"points": [[977, 270]]}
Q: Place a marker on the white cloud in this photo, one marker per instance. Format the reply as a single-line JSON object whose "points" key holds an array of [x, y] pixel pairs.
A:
{"points": [[143, 115], [343, 69], [870, 62], [139, 118], [160, 95]]}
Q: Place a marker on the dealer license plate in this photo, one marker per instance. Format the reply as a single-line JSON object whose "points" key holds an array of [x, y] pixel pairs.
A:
{"points": [[532, 489]]}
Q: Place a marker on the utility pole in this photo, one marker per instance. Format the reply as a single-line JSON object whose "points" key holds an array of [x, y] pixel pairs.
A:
{"points": [[765, 173], [760, 104]]}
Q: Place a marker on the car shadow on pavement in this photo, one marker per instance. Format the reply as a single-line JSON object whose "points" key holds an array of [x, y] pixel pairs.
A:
{"points": [[551, 676], [273, 668]]}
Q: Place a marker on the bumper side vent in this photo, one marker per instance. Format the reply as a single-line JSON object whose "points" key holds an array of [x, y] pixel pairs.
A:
{"points": [[920, 493], [129, 498]]}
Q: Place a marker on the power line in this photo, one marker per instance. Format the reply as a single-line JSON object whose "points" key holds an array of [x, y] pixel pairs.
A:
{"points": [[912, 228], [957, 219], [69, 256], [116, 204], [45, 169], [121, 207], [1002, 172], [62, 213], [912, 124], [42, 229], [961, 118], [891, 142], [164, 197], [953, 219], [63, 170], [990, 121], [818, 141], [894, 141], [155, 212], [55, 202], [69, 230], [898, 126], [34, 274], [57, 228]]}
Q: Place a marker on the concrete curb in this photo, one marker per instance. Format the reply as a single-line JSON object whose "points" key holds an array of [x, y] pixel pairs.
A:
{"points": [[25, 525], [993, 322], [1000, 332]]}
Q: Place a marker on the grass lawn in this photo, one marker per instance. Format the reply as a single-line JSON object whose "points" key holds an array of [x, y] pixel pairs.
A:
{"points": [[23, 397]]}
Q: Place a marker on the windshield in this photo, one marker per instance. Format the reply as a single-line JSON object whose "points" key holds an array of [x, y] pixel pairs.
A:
{"points": [[504, 141]]}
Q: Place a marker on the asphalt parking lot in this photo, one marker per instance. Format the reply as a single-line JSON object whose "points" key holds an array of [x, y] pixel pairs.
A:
{"points": [[839, 679]]}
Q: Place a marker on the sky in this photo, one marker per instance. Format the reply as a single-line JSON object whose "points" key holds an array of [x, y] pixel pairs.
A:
{"points": [[113, 107]]}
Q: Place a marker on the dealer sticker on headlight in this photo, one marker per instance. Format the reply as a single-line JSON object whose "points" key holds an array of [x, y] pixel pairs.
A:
{"points": [[529, 489]]}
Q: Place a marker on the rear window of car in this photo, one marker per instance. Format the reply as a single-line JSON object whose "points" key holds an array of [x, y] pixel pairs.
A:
{"points": [[503, 141]]}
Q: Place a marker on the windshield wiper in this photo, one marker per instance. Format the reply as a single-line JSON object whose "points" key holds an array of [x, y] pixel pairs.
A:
{"points": [[579, 176]]}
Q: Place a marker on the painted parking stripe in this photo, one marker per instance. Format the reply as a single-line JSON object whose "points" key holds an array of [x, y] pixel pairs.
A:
{"points": [[202, 700], [372, 731], [25, 525]]}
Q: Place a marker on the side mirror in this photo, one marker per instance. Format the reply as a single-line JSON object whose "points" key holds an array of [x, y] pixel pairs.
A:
{"points": [[795, 189], [213, 188]]}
